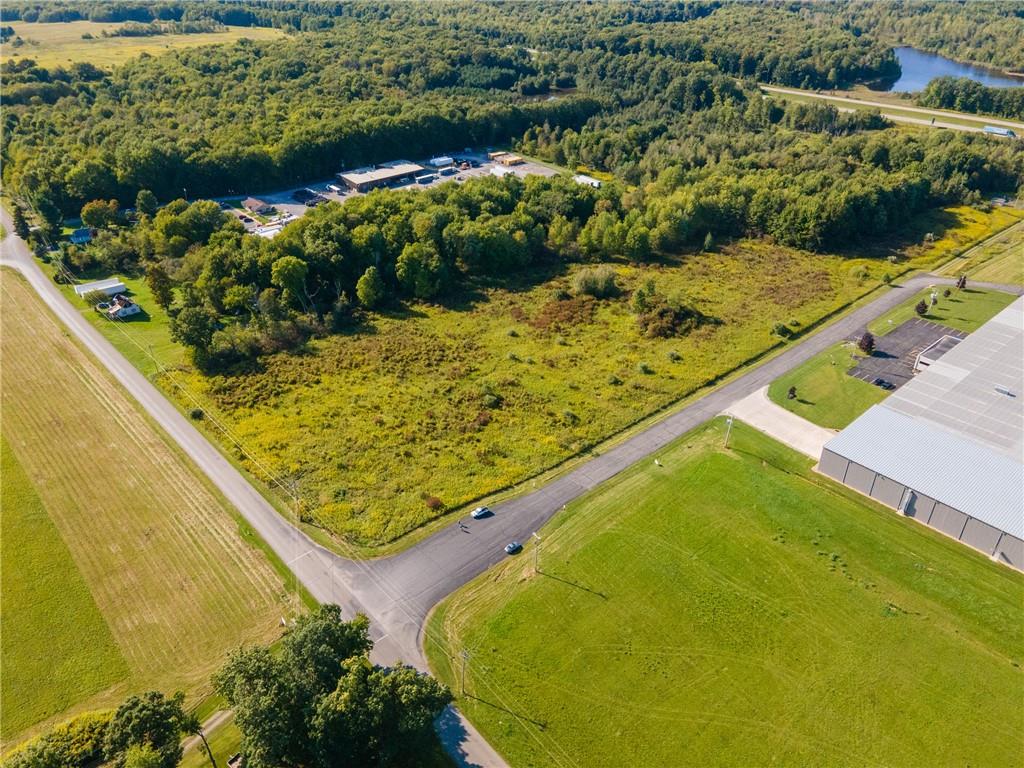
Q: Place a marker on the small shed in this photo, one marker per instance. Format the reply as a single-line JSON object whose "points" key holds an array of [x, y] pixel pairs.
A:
{"points": [[253, 205], [111, 286]]}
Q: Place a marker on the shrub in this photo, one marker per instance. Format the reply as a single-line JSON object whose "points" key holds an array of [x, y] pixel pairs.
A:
{"points": [[669, 317], [946, 293], [674, 356], [598, 282], [866, 343], [75, 744], [782, 330], [921, 308], [644, 368], [513, 333], [92, 298], [196, 414], [614, 380], [570, 418], [433, 503], [858, 273], [887, 278]]}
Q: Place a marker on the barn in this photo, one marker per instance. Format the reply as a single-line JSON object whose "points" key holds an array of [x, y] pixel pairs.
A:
{"points": [[947, 448]]}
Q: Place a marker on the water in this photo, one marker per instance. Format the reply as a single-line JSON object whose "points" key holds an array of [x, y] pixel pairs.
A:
{"points": [[920, 68]]}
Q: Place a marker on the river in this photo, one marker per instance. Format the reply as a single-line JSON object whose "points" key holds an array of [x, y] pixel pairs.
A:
{"points": [[920, 68]]}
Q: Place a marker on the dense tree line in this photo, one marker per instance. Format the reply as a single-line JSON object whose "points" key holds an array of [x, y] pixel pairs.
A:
{"points": [[966, 95]]}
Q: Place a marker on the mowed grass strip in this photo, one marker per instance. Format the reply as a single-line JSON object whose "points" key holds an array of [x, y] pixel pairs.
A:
{"points": [[52, 629], [61, 44], [733, 608], [1000, 260], [160, 551]]}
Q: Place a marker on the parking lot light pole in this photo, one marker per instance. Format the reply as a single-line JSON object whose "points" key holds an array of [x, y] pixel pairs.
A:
{"points": [[728, 430]]}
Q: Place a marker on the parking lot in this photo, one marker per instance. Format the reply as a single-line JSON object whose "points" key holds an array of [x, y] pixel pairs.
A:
{"points": [[287, 207], [895, 353]]}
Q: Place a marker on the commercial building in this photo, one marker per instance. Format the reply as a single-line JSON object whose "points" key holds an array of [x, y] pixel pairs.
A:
{"points": [[947, 449], [254, 205], [365, 179]]}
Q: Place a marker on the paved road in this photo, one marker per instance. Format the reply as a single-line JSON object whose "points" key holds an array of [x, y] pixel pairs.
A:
{"points": [[398, 592], [940, 117]]}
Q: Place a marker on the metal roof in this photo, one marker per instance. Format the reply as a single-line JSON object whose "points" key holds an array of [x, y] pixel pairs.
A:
{"points": [[954, 470], [386, 172], [956, 431], [109, 284]]}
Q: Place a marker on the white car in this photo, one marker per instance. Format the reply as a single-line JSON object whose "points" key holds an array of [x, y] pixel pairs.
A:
{"points": [[480, 512]]}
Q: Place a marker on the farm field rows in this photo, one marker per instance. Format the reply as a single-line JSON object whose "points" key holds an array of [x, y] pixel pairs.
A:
{"points": [[61, 44], [115, 530], [829, 397], [427, 408], [731, 607]]}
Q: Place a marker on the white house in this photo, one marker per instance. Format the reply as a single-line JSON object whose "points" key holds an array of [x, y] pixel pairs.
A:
{"points": [[122, 307]]}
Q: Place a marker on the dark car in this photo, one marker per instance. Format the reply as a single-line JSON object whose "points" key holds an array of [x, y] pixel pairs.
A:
{"points": [[513, 547], [880, 382]]}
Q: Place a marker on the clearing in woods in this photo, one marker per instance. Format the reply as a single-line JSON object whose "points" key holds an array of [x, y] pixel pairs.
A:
{"points": [[733, 607], [123, 569], [61, 44]]}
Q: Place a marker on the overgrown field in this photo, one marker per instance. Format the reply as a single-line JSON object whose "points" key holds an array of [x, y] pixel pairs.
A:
{"points": [[61, 44], [433, 407], [733, 608], [122, 569], [829, 397], [430, 408]]}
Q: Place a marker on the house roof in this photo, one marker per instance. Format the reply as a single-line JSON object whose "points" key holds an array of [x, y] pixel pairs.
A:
{"points": [[386, 172], [111, 283]]}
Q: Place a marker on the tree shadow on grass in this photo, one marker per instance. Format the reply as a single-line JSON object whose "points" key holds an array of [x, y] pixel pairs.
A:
{"points": [[805, 402]]}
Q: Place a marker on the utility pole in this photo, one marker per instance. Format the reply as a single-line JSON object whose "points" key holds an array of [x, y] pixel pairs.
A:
{"points": [[465, 658], [536, 553], [728, 430]]}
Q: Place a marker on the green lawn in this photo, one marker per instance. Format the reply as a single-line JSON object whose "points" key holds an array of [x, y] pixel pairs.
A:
{"points": [[826, 394], [966, 310], [733, 608], [52, 628]]}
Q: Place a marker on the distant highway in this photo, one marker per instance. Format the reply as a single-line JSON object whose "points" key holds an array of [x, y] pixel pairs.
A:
{"points": [[930, 117]]}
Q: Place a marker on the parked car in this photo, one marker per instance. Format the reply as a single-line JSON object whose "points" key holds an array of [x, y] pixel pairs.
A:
{"points": [[884, 384], [480, 512], [513, 547]]}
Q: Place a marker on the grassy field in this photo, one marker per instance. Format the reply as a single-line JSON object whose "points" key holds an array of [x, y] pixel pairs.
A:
{"points": [[829, 397], [733, 608], [999, 261], [135, 533], [42, 588], [51, 45], [826, 395], [453, 403], [965, 310]]}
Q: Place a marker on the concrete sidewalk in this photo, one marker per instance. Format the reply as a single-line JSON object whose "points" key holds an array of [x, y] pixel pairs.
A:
{"points": [[775, 421]]}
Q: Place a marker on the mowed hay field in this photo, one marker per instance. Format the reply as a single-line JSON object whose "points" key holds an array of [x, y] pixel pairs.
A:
{"points": [[122, 569], [733, 608], [999, 261], [60, 44]]}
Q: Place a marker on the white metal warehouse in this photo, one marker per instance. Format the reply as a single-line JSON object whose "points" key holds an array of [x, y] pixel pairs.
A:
{"points": [[947, 448]]}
